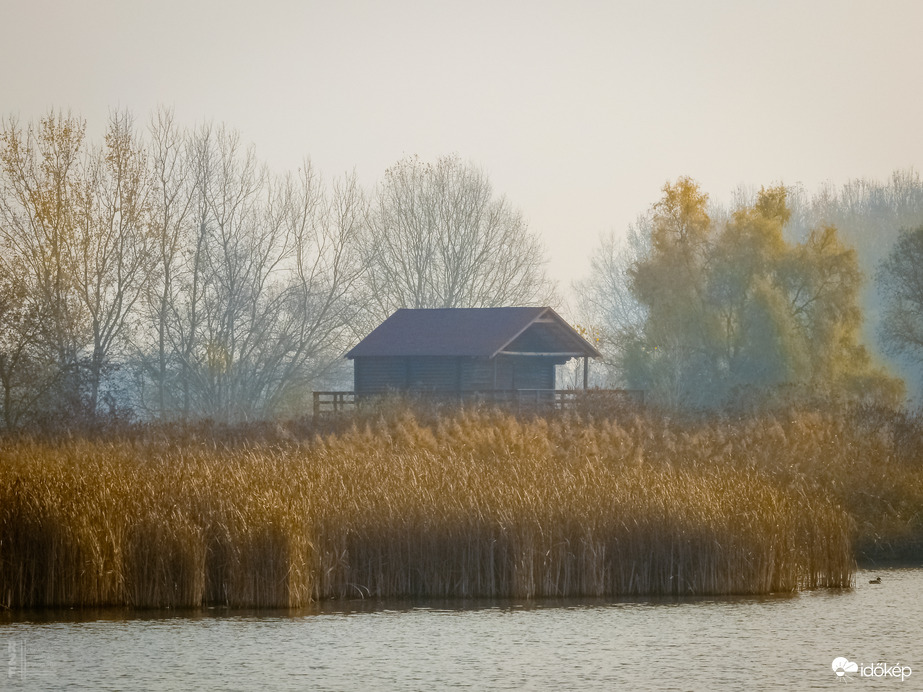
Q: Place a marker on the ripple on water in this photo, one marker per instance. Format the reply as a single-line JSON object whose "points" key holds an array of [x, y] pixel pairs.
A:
{"points": [[776, 642]]}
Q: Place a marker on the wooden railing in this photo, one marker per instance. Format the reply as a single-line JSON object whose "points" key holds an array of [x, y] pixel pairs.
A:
{"points": [[518, 399], [333, 402]]}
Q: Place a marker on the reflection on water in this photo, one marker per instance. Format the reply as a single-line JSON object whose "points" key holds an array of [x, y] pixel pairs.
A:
{"points": [[775, 642]]}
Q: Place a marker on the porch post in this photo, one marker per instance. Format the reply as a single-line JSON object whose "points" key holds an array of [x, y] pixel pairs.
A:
{"points": [[586, 372]]}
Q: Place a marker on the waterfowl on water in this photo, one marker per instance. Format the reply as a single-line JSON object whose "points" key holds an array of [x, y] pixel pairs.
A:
{"points": [[875, 581]]}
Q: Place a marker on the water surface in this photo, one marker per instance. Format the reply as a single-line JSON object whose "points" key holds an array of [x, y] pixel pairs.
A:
{"points": [[772, 642]]}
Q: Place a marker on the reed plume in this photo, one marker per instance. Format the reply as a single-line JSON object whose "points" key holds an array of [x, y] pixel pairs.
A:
{"points": [[475, 505]]}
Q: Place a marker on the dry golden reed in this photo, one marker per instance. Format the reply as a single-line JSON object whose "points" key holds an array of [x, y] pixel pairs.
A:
{"points": [[475, 506]]}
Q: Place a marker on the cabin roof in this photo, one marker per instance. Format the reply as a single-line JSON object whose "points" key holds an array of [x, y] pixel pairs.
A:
{"points": [[474, 332]]}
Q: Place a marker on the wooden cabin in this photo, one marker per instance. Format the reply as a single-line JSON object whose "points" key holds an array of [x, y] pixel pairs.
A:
{"points": [[457, 351]]}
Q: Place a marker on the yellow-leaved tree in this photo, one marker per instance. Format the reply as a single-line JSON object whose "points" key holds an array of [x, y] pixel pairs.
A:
{"points": [[75, 220], [734, 308]]}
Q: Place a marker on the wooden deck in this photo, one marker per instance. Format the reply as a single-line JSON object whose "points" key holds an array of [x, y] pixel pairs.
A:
{"points": [[332, 403]]}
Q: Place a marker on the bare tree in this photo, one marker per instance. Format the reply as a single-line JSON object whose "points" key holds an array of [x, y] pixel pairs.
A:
{"points": [[604, 299], [252, 293], [226, 289], [112, 252], [319, 308], [439, 237], [172, 212]]}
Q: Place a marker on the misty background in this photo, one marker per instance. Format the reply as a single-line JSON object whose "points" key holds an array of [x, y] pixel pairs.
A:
{"points": [[578, 111], [577, 114]]}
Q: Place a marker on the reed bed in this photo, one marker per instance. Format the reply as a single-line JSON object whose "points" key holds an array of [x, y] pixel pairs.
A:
{"points": [[475, 505]]}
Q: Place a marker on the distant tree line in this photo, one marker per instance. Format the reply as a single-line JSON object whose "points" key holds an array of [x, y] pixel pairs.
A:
{"points": [[167, 274]]}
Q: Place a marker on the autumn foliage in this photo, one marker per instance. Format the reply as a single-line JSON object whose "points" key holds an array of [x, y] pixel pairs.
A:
{"points": [[714, 309]]}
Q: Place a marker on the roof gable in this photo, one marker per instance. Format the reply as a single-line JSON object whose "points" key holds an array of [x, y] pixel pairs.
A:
{"points": [[474, 332]]}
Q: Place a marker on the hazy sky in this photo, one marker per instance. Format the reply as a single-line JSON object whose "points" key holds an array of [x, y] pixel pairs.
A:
{"points": [[578, 111]]}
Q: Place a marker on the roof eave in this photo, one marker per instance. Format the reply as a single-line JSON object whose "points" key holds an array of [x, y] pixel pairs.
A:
{"points": [[593, 351]]}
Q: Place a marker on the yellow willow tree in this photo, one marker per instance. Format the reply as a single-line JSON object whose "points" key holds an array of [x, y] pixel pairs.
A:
{"points": [[667, 356], [75, 218], [735, 308], [40, 178]]}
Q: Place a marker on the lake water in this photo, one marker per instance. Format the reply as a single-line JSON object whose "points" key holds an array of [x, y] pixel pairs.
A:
{"points": [[776, 642]]}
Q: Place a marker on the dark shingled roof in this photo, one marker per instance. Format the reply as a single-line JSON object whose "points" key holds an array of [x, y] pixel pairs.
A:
{"points": [[478, 332]]}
